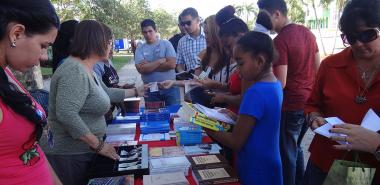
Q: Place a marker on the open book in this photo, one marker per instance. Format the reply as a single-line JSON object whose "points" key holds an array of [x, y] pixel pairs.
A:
{"points": [[214, 114]]}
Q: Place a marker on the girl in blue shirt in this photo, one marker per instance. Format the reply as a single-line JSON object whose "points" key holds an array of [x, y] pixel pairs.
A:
{"points": [[256, 134]]}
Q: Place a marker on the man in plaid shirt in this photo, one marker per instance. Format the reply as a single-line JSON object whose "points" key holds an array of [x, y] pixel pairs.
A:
{"points": [[190, 45]]}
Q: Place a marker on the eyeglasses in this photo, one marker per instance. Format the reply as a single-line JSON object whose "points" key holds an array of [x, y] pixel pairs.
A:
{"points": [[188, 23], [364, 37]]}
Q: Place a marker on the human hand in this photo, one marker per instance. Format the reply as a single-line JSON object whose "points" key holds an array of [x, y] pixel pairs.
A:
{"points": [[109, 151], [231, 114], [316, 121], [167, 84], [217, 98], [128, 86], [356, 137], [141, 90]]}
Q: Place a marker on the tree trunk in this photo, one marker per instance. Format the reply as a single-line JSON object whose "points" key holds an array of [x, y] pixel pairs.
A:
{"points": [[319, 29], [336, 32]]}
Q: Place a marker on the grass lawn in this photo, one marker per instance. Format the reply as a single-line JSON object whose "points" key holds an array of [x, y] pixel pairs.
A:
{"points": [[118, 62]]}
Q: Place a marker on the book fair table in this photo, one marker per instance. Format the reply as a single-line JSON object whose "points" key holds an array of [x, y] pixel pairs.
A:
{"points": [[191, 176]]}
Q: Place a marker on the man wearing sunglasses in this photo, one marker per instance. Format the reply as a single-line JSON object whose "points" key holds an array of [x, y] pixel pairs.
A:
{"points": [[190, 45]]}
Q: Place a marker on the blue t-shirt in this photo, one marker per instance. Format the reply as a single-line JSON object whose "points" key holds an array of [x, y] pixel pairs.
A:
{"points": [[259, 160], [152, 52]]}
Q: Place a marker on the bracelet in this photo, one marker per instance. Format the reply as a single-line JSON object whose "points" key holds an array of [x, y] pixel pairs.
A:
{"points": [[99, 147]]}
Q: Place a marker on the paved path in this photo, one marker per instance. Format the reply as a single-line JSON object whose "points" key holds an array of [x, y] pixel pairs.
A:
{"points": [[129, 72]]}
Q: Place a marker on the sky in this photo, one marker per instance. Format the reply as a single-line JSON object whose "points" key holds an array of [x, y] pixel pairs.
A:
{"points": [[205, 8]]}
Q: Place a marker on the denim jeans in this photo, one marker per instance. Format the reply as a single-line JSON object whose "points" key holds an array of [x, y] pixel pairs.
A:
{"points": [[313, 175], [170, 96], [293, 128]]}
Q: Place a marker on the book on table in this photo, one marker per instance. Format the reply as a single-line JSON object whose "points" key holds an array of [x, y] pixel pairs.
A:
{"points": [[176, 178], [212, 169], [189, 112]]}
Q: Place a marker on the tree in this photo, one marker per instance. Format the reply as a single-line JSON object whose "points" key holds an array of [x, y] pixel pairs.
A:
{"points": [[295, 11], [68, 9], [166, 23], [245, 12]]}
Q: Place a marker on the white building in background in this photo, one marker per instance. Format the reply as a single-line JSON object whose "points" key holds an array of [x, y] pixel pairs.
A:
{"points": [[329, 25]]}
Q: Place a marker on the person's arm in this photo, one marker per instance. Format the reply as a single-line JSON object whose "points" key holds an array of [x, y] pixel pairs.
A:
{"points": [[251, 110], [117, 95], [229, 99], [180, 58], [169, 64], [281, 72], [99, 71], [317, 61], [280, 67], [237, 139], [145, 67], [358, 138], [180, 67]]}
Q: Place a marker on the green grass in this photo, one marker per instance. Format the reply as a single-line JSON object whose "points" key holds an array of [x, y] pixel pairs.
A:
{"points": [[118, 62]]}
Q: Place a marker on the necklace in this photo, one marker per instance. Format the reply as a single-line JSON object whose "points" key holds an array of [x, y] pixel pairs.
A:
{"points": [[367, 77]]}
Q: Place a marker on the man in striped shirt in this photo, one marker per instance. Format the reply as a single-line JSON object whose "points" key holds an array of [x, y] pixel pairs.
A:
{"points": [[190, 45]]}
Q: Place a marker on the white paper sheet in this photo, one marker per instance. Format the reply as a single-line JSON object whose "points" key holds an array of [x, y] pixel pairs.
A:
{"points": [[371, 121], [214, 114], [324, 130]]}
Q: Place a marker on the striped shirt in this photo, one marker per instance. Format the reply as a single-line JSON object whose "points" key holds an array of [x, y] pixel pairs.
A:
{"points": [[188, 50]]}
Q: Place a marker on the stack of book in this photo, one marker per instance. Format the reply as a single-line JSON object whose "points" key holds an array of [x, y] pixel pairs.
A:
{"points": [[202, 149], [151, 127], [168, 165], [120, 133], [176, 178], [212, 169], [154, 137], [162, 152], [187, 133], [128, 118], [194, 114]]}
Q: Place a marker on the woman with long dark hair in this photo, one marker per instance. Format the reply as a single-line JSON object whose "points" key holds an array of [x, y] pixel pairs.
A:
{"points": [[27, 29]]}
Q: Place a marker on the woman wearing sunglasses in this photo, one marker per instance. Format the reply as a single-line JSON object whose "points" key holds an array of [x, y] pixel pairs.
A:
{"points": [[347, 86]]}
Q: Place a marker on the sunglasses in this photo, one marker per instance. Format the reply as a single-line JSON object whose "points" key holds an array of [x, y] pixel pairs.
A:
{"points": [[364, 37], [188, 23]]}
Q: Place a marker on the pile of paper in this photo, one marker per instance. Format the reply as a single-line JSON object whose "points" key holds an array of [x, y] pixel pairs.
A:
{"points": [[201, 149], [370, 122], [120, 133], [129, 128], [154, 137], [168, 165], [154, 127], [176, 178]]}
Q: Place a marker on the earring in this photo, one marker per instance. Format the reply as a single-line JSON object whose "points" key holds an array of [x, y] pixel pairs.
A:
{"points": [[13, 45]]}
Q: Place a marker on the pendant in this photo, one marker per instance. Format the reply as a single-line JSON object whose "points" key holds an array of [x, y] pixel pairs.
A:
{"points": [[360, 99]]}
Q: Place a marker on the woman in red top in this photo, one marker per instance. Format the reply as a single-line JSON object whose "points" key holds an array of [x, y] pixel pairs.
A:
{"points": [[347, 86], [27, 28]]}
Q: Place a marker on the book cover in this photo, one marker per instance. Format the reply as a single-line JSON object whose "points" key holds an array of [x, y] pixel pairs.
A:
{"points": [[189, 113], [214, 175], [207, 160]]}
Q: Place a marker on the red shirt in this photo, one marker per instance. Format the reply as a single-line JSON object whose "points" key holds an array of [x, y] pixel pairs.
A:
{"points": [[296, 47], [337, 85], [234, 86]]}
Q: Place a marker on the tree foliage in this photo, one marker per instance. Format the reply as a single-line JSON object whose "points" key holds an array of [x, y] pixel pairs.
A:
{"points": [[123, 16]]}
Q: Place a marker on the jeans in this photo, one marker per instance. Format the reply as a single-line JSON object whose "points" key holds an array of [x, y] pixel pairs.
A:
{"points": [[170, 96], [292, 129], [313, 175]]}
